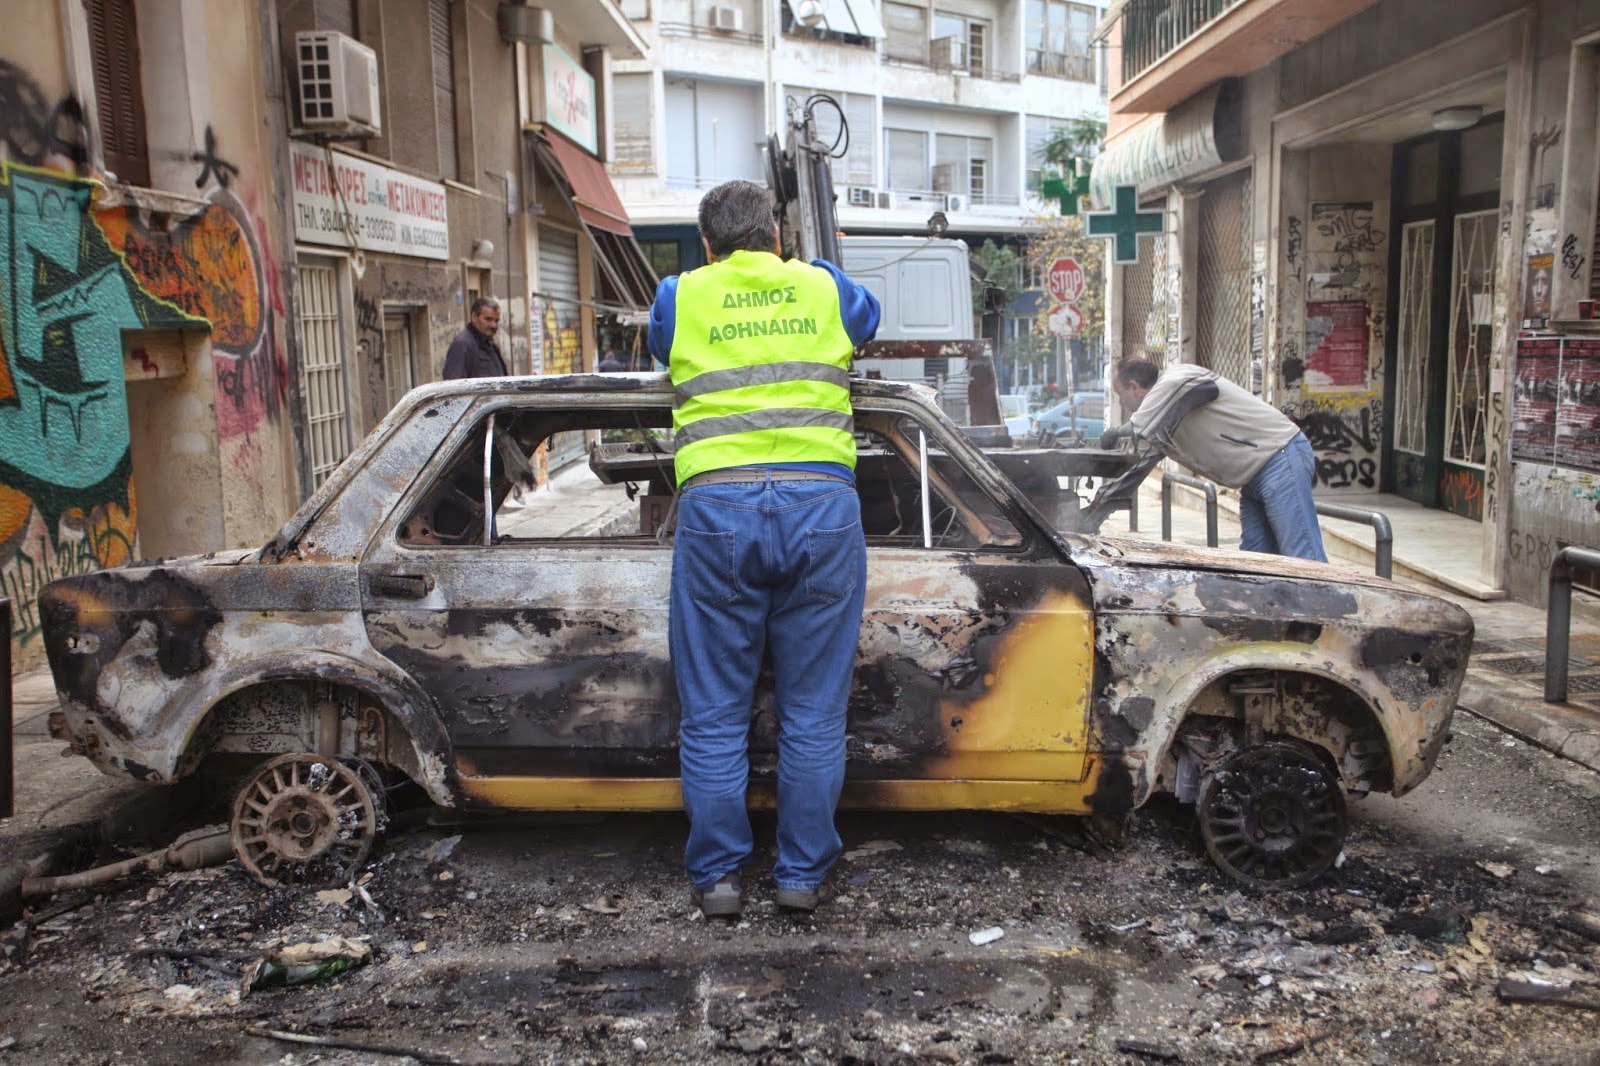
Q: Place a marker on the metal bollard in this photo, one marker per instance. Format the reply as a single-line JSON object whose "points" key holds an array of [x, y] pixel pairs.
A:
{"points": [[1383, 550], [1558, 618], [1167, 481], [8, 791]]}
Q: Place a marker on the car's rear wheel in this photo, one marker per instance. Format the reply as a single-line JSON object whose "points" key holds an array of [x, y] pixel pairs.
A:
{"points": [[1272, 815], [304, 819]]}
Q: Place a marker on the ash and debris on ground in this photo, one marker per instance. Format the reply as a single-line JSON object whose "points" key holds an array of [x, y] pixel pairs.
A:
{"points": [[572, 939]]}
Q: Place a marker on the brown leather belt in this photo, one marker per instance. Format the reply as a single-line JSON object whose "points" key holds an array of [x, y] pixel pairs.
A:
{"points": [[752, 474]]}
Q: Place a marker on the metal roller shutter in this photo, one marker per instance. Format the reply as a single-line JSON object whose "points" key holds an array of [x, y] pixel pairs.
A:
{"points": [[1222, 303], [559, 322]]}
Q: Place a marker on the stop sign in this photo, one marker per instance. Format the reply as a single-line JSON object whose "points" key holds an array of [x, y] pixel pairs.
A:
{"points": [[1066, 280]]}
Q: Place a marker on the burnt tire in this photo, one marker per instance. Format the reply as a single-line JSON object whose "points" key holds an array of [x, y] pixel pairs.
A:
{"points": [[1273, 815], [304, 819]]}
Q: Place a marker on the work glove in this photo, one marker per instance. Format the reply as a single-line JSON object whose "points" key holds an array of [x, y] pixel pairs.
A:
{"points": [[1112, 437]]}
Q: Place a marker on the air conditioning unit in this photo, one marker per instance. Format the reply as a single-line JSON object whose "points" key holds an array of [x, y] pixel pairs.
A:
{"points": [[338, 80], [727, 19], [948, 52], [862, 197], [885, 200], [955, 202]]}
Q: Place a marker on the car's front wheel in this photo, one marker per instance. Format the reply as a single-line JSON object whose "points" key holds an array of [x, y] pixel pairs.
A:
{"points": [[1272, 815]]}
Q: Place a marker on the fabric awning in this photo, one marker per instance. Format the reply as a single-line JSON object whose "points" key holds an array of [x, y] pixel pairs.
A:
{"points": [[627, 278], [859, 18], [592, 192]]}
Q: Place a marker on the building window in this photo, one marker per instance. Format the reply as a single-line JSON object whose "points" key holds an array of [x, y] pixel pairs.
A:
{"points": [[118, 93], [713, 133], [322, 344], [906, 27], [1058, 40], [441, 33], [633, 124], [965, 40], [907, 152], [962, 165], [665, 257], [858, 165]]}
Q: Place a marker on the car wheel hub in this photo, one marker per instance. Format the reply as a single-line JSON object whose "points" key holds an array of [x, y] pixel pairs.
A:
{"points": [[303, 819], [1272, 816]]}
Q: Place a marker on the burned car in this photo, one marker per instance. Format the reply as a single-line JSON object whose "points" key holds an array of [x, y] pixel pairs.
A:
{"points": [[420, 622]]}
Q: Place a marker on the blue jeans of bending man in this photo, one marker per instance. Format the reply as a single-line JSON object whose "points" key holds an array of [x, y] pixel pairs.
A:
{"points": [[779, 565], [1277, 513]]}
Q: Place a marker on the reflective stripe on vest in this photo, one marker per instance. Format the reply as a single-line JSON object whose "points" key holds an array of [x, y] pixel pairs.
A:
{"points": [[760, 366]]}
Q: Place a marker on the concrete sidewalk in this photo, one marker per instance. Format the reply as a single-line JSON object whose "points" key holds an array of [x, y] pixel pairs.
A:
{"points": [[64, 804]]}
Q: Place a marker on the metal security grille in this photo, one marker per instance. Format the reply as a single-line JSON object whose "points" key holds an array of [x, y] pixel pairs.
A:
{"points": [[1144, 302], [321, 331], [1416, 335], [1222, 313], [1471, 329]]}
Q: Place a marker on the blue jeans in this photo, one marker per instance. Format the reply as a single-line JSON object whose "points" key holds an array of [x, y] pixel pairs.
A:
{"points": [[1276, 511], [779, 564]]}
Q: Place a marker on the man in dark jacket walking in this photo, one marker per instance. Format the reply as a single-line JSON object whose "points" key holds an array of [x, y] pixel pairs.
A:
{"points": [[474, 354]]}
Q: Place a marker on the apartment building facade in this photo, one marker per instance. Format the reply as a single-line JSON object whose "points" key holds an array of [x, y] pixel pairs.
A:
{"points": [[1382, 217], [943, 105]]}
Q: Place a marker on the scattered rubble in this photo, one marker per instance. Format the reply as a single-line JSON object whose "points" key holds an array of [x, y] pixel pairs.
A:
{"points": [[974, 938]]}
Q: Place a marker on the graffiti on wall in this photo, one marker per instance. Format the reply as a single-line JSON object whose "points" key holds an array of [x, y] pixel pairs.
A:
{"points": [[1344, 431], [75, 274], [1461, 492]]}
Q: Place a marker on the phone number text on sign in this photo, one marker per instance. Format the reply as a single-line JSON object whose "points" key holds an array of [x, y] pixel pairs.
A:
{"points": [[386, 210]]}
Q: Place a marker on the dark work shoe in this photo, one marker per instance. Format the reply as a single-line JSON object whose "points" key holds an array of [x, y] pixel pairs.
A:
{"points": [[803, 899], [725, 899]]}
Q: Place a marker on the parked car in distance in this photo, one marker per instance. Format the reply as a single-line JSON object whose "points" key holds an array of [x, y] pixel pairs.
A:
{"points": [[1058, 420], [416, 627]]}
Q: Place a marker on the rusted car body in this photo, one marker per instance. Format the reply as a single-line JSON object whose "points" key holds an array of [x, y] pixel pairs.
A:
{"points": [[1003, 663]]}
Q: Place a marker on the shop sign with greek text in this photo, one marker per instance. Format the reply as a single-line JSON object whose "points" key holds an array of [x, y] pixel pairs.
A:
{"points": [[339, 197]]}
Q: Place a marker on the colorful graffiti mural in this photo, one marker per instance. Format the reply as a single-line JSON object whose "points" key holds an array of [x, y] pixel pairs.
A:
{"points": [[76, 273]]}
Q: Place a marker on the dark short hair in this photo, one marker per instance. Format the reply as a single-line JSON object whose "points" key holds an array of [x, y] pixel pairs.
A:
{"points": [[481, 302], [1141, 372], [737, 216]]}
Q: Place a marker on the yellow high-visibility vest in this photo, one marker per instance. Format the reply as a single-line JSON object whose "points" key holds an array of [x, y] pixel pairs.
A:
{"points": [[760, 366]]}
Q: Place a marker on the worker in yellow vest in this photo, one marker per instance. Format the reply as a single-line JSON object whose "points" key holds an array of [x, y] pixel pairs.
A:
{"points": [[768, 552]]}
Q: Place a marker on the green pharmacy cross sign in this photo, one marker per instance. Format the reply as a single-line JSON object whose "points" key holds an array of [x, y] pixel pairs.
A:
{"points": [[1068, 189], [1124, 223]]}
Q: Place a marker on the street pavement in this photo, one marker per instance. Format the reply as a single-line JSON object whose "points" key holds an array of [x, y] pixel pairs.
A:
{"points": [[64, 807]]}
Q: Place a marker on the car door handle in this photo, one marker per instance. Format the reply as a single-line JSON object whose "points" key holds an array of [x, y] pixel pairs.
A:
{"points": [[405, 586]]}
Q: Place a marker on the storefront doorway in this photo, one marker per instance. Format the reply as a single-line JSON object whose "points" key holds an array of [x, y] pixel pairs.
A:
{"points": [[1446, 196]]}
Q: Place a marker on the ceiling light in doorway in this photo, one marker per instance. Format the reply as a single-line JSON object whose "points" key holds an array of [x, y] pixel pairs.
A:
{"points": [[1457, 118]]}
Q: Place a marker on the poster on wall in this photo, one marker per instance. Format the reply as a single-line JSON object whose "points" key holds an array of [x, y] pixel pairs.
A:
{"points": [[1536, 300], [1336, 344], [1533, 406], [1578, 405]]}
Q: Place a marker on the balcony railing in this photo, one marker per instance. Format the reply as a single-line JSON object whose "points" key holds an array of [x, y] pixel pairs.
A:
{"points": [[1071, 66], [1153, 28], [975, 70]]}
